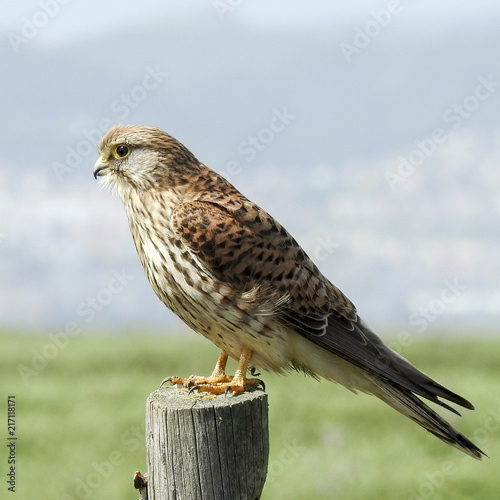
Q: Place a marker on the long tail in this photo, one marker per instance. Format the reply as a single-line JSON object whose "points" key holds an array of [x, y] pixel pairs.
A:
{"points": [[411, 406]]}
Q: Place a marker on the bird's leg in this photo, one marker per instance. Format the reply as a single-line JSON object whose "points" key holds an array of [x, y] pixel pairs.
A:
{"points": [[240, 383], [219, 382], [219, 373]]}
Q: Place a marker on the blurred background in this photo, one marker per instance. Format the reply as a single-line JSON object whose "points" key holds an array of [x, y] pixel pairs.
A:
{"points": [[390, 212], [369, 129]]}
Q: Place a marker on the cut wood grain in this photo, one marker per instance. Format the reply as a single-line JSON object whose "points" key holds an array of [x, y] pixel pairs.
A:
{"points": [[206, 448]]}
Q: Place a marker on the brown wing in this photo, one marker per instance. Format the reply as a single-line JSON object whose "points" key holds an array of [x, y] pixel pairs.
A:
{"points": [[245, 248]]}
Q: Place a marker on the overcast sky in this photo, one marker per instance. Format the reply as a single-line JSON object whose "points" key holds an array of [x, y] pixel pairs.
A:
{"points": [[223, 70], [81, 20]]}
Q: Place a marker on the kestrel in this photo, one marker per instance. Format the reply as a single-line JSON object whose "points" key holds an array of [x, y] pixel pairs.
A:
{"points": [[234, 274]]}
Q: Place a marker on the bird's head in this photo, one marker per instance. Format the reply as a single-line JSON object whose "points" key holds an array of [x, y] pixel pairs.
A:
{"points": [[143, 158]]}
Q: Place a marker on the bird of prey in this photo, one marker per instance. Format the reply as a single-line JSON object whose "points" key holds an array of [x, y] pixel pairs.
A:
{"points": [[234, 274]]}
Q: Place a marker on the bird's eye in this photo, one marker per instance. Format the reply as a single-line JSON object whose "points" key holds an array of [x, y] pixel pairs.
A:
{"points": [[122, 151]]}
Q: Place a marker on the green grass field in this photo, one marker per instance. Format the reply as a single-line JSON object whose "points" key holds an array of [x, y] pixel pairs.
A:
{"points": [[80, 430]]}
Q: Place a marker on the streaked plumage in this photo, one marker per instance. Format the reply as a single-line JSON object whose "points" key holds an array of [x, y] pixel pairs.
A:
{"points": [[235, 275]]}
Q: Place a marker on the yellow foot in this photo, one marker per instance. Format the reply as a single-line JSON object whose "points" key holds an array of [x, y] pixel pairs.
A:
{"points": [[221, 385], [219, 382]]}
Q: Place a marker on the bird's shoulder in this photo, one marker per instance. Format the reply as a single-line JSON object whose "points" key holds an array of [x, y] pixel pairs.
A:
{"points": [[234, 237]]}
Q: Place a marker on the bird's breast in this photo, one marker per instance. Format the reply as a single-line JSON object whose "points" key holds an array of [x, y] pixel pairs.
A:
{"points": [[209, 306]]}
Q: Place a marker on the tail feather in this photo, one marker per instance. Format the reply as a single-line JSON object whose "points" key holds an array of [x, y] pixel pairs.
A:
{"points": [[442, 392], [411, 406]]}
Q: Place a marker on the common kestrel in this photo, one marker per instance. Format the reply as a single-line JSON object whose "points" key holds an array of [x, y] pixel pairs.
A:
{"points": [[234, 274]]}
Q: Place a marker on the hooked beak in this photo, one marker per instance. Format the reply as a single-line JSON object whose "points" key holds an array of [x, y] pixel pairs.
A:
{"points": [[100, 167]]}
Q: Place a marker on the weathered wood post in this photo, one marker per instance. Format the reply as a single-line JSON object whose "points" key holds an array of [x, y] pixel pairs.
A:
{"points": [[206, 448]]}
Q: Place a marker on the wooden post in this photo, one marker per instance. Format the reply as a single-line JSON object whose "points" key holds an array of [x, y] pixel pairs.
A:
{"points": [[206, 448]]}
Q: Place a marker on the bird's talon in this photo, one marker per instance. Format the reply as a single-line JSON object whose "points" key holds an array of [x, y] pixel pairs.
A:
{"points": [[192, 388], [167, 379], [253, 371]]}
